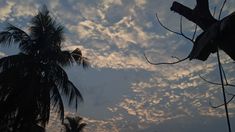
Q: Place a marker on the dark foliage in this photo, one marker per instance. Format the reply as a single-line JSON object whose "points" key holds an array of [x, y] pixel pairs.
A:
{"points": [[33, 81], [74, 124]]}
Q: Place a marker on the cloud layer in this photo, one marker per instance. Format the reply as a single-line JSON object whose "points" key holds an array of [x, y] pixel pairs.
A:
{"points": [[122, 91]]}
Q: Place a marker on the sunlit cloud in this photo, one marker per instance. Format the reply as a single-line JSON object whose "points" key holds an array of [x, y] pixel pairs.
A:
{"points": [[114, 60], [5, 10], [114, 35], [25, 9]]}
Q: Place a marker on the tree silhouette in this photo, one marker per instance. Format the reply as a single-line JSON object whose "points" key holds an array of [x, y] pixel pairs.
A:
{"points": [[218, 34], [74, 124], [33, 82]]}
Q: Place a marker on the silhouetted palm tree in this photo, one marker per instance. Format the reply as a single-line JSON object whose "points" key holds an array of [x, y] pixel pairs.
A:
{"points": [[33, 81], [74, 124]]}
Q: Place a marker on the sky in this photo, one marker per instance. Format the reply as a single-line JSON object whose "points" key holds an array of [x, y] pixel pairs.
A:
{"points": [[122, 91]]}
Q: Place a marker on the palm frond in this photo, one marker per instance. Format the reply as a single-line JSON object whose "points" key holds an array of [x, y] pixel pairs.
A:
{"points": [[81, 126], [78, 57], [45, 31], [12, 34], [74, 124], [74, 96], [67, 127], [18, 110], [57, 74], [43, 100], [34, 80], [66, 58], [13, 61], [57, 102]]}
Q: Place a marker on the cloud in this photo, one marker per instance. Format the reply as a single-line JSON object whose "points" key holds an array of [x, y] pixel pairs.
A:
{"points": [[115, 36], [127, 93], [114, 60], [5, 10], [25, 9]]}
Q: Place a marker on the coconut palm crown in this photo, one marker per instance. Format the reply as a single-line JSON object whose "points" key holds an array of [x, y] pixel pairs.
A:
{"points": [[33, 81], [74, 124]]}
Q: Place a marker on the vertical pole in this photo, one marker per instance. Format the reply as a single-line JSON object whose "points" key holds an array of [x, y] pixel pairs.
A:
{"points": [[223, 90]]}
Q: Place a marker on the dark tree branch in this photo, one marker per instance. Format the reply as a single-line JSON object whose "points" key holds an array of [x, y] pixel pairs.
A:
{"points": [[233, 95], [170, 30], [195, 32], [225, 78], [165, 63], [178, 33], [200, 15], [217, 35], [214, 83], [210, 82], [221, 9], [223, 103], [216, 32], [181, 25]]}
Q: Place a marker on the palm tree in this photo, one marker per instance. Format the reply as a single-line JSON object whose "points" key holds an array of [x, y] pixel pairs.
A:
{"points": [[74, 124], [33, 82]]}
